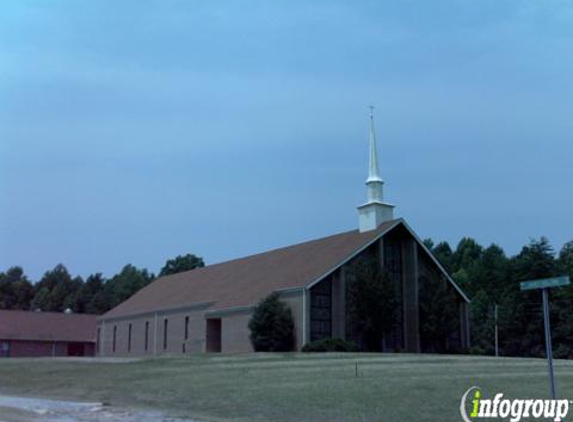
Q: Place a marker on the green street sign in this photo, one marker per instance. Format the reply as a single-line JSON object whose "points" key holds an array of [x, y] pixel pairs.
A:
{"points": [[545, 283]]}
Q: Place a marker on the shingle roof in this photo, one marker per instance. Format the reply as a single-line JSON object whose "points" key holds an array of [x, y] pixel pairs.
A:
{"points": [[47, 326], [243, 282]]}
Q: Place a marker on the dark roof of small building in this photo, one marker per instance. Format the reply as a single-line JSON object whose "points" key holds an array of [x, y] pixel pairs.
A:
{"points": [[47, 326], [243, 282]]}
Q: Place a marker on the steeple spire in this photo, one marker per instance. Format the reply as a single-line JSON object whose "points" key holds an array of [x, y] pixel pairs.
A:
{"points": [[374, 171], [375, 211]]}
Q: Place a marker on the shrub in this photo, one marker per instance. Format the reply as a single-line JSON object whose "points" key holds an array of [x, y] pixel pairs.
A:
{"points": [[330, 345], [272, 326]]}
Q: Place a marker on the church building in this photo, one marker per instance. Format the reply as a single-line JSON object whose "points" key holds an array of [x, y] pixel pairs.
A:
{"points": [[208, 309]]}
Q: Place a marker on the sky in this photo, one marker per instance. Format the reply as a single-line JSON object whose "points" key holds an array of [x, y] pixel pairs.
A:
{"points": [[135, 131]]}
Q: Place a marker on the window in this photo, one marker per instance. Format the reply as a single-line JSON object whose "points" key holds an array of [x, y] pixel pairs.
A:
{"points": [[321, 310], [165, 326], [5, 349], [186, 328], [98, 345], [393, 267], [129, 338], [146, 335], [114, 338]]}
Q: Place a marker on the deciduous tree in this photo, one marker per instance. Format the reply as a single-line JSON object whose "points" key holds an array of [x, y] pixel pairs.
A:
{"points": [[181, 263]]}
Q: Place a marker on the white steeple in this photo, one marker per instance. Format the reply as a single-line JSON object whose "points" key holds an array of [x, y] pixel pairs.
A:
{"points": [[375, 211], [374, 171]]}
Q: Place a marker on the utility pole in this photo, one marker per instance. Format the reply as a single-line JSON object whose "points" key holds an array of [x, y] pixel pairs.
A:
{"points": [[496, 330]]}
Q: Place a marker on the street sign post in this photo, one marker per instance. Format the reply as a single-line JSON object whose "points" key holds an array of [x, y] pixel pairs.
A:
{"points": [[545, 284]]}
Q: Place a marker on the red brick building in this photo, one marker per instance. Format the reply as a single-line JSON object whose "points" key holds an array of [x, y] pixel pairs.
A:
{"points": [[36, 334]]}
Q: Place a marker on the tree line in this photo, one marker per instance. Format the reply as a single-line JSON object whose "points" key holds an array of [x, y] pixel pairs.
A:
{"points": [[490, 278], [58, 290]]}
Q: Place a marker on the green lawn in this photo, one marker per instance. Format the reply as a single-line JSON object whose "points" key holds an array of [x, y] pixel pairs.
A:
{"points": [[287, 387]]}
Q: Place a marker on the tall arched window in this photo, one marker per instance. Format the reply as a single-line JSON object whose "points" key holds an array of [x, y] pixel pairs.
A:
{"points": [[165, 326]]}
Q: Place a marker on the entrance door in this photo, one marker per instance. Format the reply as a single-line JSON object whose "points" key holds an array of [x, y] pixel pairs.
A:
{"points": [[75, 349], [213, 344]]}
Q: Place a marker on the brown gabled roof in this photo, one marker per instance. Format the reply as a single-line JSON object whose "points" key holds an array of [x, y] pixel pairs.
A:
{"points": [[243, 282], [47, 326]]}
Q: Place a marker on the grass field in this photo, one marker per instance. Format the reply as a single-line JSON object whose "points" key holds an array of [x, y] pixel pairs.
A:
{"points": [[287, 388]]}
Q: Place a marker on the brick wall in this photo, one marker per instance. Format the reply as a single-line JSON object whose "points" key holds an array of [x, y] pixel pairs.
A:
{"points": [[234, 331], [30, 348], [176, 342]]}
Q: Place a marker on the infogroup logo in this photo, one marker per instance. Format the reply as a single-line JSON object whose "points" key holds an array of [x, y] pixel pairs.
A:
{"points": [[512, 409]]}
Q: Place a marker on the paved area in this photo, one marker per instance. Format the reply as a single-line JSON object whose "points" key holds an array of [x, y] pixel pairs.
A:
{"points": [[20, 409]]}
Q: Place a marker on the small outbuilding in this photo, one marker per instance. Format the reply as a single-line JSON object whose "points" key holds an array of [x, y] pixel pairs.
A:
{"points": [[37, 334]]}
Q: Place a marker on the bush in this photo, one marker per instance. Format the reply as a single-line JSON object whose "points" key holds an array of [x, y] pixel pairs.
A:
{"points": [[272, 326], [330, 345], [477, 350]]}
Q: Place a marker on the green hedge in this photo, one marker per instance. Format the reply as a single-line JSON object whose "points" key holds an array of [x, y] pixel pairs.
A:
{"points": [[330, 345]]}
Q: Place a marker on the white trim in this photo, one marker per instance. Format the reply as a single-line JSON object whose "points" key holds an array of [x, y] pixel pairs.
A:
{"points": [[238, 309], [337, 266], [442, 269], [388, 204], [291, 289]]}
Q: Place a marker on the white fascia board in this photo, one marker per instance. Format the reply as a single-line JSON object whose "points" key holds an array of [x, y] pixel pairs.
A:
{"points": [[225, 311]]}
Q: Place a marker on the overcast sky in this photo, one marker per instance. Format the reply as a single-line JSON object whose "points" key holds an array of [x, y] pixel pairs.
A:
{"points": [[134, 131]]}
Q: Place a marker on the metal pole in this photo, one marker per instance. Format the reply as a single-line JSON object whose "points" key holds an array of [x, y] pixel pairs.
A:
{"points": [[548, 347], [496, 332]]}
